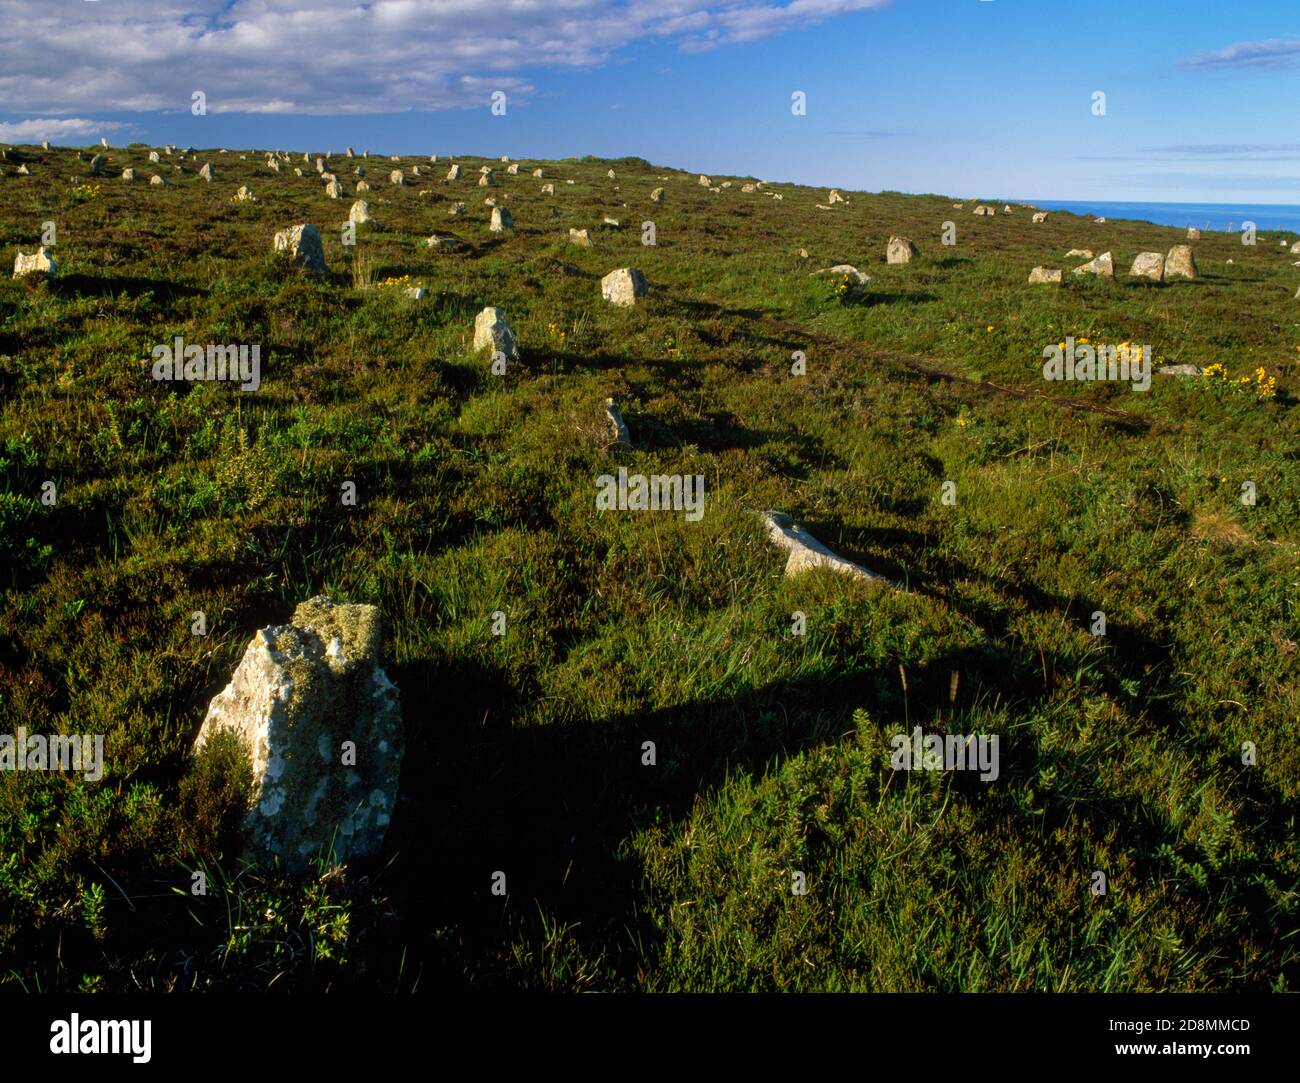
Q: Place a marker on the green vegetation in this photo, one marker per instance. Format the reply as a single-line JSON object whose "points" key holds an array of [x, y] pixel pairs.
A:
{"points": [[1120, 753]]}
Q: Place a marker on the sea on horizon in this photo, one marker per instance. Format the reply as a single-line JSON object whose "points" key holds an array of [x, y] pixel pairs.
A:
{"points": [[1226, 217]]}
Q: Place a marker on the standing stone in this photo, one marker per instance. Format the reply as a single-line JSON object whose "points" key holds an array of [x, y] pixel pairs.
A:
{"points": [[349, 153], [501, 220], [245, 195], [1148, 265], [360, 212], [984, 211], [1039, 216], [1006, 208], [835, 197], [103, 142], [456, 210], [97, 164], [580, 237], [334, 190], [45, 144], [128, 174], [302, 692], [806, 552], [1193, 234], [623, 286], [157, 181], [537, 173], [548, 189], [454, 173], [513, 169], [1180, 262], [485, 179], [274, 164], [1042, 276], [206, 171], [901, 250], [362, 186], [1102, 266], [493, 332], [657, 196], [704, 181], [303, 244], [617, 426], [153, 156], [1295, 248], [396, 178], [39, 262]]}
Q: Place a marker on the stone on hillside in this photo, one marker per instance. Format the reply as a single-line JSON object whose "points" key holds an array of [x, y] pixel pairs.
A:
{"points": [[349, 153], [580, 237], [704, 181], [297, 172], [1100, 221], [245, 195], [901, 250], [415, 293], [610, 175], [453, 173], [1148, 265], [39, 262], [1043, 276], [1006, 208], [613, 223], [513, 169], [301, 692], [303, 245], [157, 181], [320, 166], [806, 552], [395, 177], [153, 156], [456, 210], [835, 196], [501, 220], [1039, 216], [443, 242], [846, 269], [984, 211], [1193, 234], [623, 286], [362, 186], [128, 174], [334, 190], [1178, 370], [747, 188], [548, 189], [23, 171], [103, 142], [1082, 253], [617, 426], [45, 144], [538, 173], [657, 196], [486, 180], [273, 165], [360, 212], [1102, 266], [1180, 262], [97, 164], [493, 332]]}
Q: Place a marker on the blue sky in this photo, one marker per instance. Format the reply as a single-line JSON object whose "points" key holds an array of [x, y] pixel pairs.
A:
{"points": [[974, 98]]}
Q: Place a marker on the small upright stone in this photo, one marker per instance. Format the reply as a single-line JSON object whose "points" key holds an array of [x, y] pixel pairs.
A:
{"points": [[206, 171], [1103, 266], [396, 178], [360, 211], [456, 210], [157, 181], [97, 164], [493, 332], [153, 156], [984, 211], [901, 250], [334, 190], [623, 286], [1180, 263], [580, 237], [1044, 276], [453, 173], [513, 169], [1193, 234], [501, 220], [705, 182], [303, 245], [39, 262], [657, 196], [548, 189], [1148, 265], [1039, 216], [128, 174]]}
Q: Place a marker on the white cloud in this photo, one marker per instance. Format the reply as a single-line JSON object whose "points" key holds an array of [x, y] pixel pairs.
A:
{"points": [[1273, 53], [344, 56], [37, 129]]}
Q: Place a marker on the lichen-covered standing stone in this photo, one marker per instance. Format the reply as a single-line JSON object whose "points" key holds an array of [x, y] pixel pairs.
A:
{"points": [[323, 728]]}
